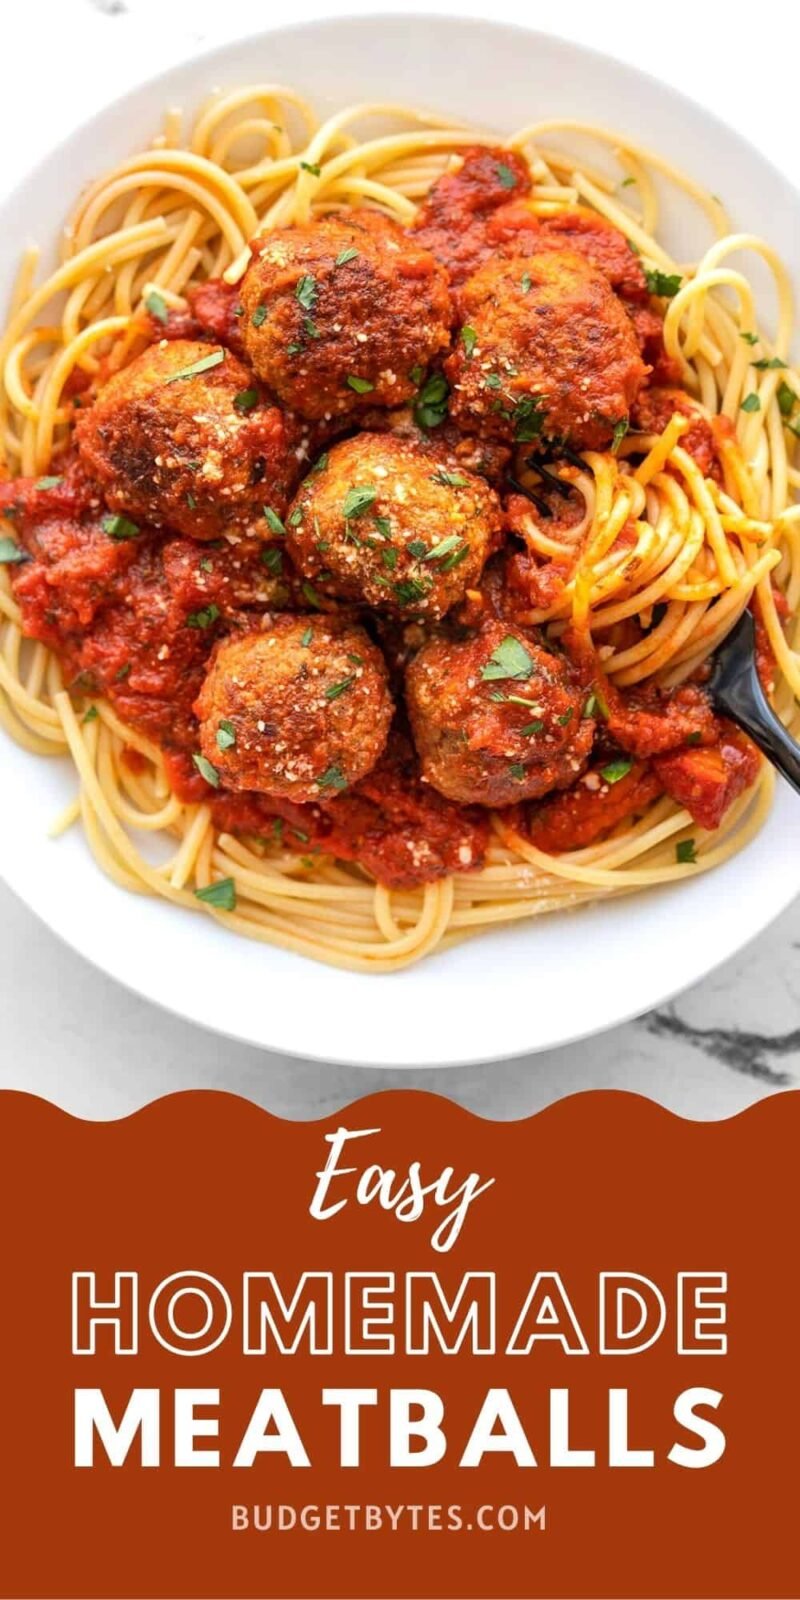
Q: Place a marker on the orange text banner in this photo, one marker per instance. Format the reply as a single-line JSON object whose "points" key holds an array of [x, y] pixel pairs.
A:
{"points": [[402, 1352]]}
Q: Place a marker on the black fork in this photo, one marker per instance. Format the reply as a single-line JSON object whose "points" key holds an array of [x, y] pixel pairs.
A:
{"points": [[736, 691]]}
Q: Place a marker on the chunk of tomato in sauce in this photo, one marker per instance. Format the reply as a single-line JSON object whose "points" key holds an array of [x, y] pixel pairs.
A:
{"points": [[707, 781]]}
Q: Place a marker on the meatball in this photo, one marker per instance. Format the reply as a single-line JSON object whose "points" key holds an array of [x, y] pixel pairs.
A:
{"points": [[394, 524], [299, 711], [182, 438], [546, 349], [496, 718], [339, 313]]}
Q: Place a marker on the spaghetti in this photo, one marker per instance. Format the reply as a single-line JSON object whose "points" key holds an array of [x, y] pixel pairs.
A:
{"points": [[184, 211]]}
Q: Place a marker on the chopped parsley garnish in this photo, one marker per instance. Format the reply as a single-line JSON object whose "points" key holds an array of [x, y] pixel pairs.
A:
{"points": [[360, 385], [616, 770], [156, 305], [531, 727], [311, 329], [358, 500], [389, 559], [686, 852], [493, 382], [294, 348], [259, 316], [509, 660], [204, 618], [122, 673], [415, 375], [620, 430], [454, 559], [665, 284], [296, 517], [312, 167], [221, 895], [306, 291], [453, 480], [786, 400], [191, 502], [769, 365], [226, 736], [307, 637], [273, 521], [506, 176], [444, 548], [626, 182], [749, 338], [565, 718], [277, 829], [525, 283], [311, 596], [430, 406], [203, 365], [384, 527], [410, 590], [335, 689], [358, 661], [469, 339], [206, 770], [10, 554], [332, 778], [118, 527], [517, 770], [418, 549], [694, 738], [90, 715], [751, 402], [272, 558], [48, 483], [245, 399], [528, 418], [345, 256], [502, 699], [206, 565]]}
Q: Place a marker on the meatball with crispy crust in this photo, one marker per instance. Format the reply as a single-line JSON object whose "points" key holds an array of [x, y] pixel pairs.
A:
{"points": [[394, 524], [299, 711], [339, 312], [546, 350], [183, 438], [496, 718]]}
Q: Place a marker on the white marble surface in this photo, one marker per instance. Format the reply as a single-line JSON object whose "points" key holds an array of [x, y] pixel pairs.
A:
{"points": [[75, 1037]]}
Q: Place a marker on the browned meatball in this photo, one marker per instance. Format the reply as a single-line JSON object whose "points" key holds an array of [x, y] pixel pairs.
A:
{"points": [[546, 350], [183, 438], [299, 711], [388, 522], [496, 718], [339, 313]]}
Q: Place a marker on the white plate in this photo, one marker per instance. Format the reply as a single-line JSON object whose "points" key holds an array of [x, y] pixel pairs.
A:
{"points": [[534, 986]]}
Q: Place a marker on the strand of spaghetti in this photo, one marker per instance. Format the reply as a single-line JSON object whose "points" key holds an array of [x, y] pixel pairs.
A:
{"points": [[640, 877], [180, 869], [224, 105], [103, 253], [712, 206], [221, 194], [146, 821], [57, 377]]}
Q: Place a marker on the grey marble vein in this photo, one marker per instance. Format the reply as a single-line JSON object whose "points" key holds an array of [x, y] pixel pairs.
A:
{"points": [[738, 1048]]}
